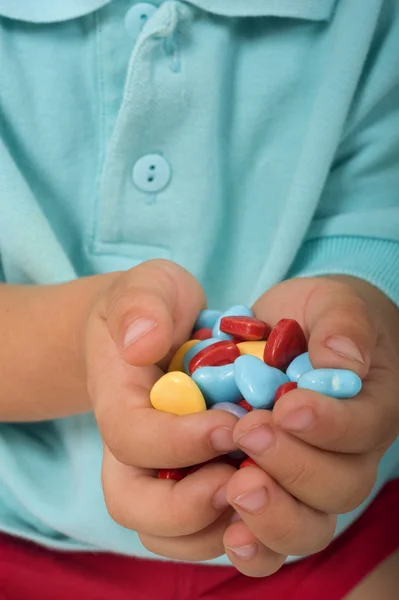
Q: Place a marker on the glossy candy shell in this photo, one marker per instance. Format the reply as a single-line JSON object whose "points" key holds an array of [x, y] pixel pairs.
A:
{"points": [[194, 350], [337, 383], [285, 342], [300, 365], [177, 393], [176, 364], [256, 381], [235, 409], [217, 384], [253, 348], [175, 474], [284, 389], [206, 319], [216, 355], [202, 334], [245, 328], [235, 311]]}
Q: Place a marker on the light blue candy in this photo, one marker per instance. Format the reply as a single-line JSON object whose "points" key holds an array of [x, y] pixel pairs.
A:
{"points": [[337, 383], [235, 311], [300, 365], [257, 381], [235, 409], [194, 350], [217, 384], [207, 319]]}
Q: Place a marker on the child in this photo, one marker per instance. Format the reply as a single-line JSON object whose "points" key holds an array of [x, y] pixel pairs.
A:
{"points": [[251, 147]]}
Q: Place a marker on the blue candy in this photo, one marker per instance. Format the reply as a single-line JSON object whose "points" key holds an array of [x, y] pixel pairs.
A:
{"points": [[257, 381], [235, 311], [337, 383], [235, 409], [217, 384], [207, 319], [300, 365], [194, 350]]}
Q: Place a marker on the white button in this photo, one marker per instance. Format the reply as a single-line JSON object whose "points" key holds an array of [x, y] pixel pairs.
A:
{"points": [[137, 16], [151, 173]]}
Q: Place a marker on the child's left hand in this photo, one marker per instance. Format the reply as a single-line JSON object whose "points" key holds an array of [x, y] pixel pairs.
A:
{"points": [[317, 456]]}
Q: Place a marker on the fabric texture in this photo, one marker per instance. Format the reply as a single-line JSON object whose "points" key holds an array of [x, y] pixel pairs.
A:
{"points": [[28, 571], [280, 138]]}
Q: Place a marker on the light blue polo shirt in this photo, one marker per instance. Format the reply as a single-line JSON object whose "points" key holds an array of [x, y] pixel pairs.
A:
{"points": [[248, 140]]}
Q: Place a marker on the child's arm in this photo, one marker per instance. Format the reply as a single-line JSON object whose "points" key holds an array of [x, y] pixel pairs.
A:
{"points": [[42, 368]]}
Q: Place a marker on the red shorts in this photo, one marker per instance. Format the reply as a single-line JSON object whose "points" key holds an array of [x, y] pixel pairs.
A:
{"points": [[29, 572]]}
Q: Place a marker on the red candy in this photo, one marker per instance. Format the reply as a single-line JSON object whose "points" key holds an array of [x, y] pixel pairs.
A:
{"points": [[175, 474], [248, 462], [245, 405], [202, 334], [246, 329], [284, 388], [286, 341], [215, 355]]}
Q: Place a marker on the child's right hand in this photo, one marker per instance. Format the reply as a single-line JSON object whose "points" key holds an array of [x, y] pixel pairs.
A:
{"points": [[132, 332]]}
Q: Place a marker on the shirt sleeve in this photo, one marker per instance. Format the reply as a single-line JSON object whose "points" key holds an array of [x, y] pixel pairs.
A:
{"points": [[355, 230]]}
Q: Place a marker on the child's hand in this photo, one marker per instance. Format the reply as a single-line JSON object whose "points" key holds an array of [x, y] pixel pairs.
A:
{"points": [[164, 299], [318, 456]]}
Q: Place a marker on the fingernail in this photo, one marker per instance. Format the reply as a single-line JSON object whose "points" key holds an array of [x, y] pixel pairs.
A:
{"points": [[254, 502], [138, 329], [222, 439], [257, 440], [219, 499], [245, 552], [299, 420], [345, 347]]}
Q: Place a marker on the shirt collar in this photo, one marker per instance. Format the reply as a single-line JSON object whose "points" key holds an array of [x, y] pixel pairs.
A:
{"points": [[47, 11]]}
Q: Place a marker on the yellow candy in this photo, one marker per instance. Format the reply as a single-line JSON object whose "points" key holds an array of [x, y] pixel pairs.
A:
{"points": [[253, 348], [176, 364], [177, 393]]}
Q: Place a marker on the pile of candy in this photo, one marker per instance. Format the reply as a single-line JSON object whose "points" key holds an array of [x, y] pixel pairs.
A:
{"points": [[238, 363]]}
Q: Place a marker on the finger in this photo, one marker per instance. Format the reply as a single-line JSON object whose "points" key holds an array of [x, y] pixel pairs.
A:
{"points": [[279, 521], [342, 329], [205, 544], [151, 310], [367, 423], [139, 435], [327, 481], [248, 554], [335, 319], [137, 500]]}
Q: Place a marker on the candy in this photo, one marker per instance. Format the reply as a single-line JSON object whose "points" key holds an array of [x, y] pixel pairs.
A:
{"points": [[194, 350], [175, 474], [235, 409], [217, 384], [176, 364], [337, 383], [177, 393], [253, 348], [220, 353], [285, 342], [235, 311], [300, 365], [256, 381], [202, 334], [248, 462], [206, 319], [245, 405], [244, 328], [284, 389]]}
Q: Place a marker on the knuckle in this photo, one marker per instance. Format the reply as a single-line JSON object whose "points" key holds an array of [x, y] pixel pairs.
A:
{"points": [[298, 475]]}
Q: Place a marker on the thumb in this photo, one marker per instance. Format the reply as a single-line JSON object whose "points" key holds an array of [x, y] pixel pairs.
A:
{"points": [[150, 310], [342, 333]]}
